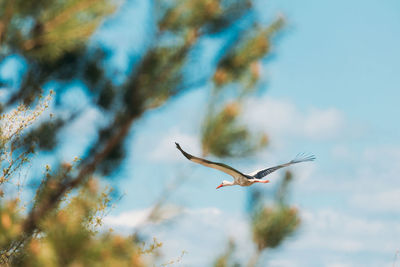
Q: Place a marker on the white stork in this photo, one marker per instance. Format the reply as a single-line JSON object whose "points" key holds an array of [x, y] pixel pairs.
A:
{"points": [[238, 177]]}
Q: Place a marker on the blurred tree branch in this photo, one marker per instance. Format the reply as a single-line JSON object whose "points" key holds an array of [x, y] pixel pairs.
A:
{"points": [[53, 41]]}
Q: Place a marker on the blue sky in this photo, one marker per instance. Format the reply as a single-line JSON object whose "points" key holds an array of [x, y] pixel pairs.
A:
{"points": [[332, 89]]}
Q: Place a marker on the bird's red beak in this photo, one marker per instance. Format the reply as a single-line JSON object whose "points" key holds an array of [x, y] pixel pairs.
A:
{"points": [[221, 185]]}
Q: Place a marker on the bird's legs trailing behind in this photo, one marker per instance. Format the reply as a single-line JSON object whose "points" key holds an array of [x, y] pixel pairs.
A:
{"points": [[261, 181]]}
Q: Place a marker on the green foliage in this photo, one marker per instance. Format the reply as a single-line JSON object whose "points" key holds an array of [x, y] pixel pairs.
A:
{"points": [[241, 61], [47, 29], [282, 192], [225, 260], [223, 135], [61, 224], [13, 150], [69, 236], [271, 225], [10, 223], [158, 78], [181, 15]]}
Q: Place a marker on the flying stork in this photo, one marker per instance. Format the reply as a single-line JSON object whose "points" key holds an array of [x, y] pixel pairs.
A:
{"points": [[238, 177]]}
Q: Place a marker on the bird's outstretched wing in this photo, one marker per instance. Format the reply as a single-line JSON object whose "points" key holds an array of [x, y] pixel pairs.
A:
{"points": [[299, 158], [215, 165]]}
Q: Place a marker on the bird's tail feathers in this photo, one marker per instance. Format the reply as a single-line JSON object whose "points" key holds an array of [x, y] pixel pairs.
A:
{"points": [[302, 157]]}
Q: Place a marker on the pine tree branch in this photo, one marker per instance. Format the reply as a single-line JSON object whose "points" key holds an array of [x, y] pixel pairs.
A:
{"points": [[67, 14], [30, 224]]}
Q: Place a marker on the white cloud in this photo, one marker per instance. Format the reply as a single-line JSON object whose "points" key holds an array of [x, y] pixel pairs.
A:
{"points": [[347, 188], [205, 231], [199, 232], [386, 201], [136, 218], [326, 220], [130, 219], [281, 117], [382, 154], [340, 232], [342, 152], [323, 124], [165, 150], [282, 263], [305, 173], [339, 264]]}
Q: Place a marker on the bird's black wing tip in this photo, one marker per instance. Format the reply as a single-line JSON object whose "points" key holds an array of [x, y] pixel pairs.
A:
{"points": [[309, 158], [188, 156], [302, 157]]}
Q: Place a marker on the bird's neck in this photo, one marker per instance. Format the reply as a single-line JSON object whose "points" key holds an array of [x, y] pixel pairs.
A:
{"points": [[227, 183]]}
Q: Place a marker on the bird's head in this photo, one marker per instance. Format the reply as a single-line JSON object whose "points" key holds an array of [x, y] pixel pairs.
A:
{"points": [[224, 183]]}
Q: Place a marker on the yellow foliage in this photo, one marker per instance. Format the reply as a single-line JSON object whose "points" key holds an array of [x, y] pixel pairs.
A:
{"points": [[69, 236], [12, 126]]}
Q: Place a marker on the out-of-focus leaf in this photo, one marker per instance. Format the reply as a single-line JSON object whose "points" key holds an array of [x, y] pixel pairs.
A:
{"points": [[271, 225], [44, 135], [10, 222], [240, 63], [224, 136], [225, 260], [63, 27], [184, 14], [68, 238]]}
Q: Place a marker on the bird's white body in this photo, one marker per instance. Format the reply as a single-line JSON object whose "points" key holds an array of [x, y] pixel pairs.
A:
{"points": [[243, 181], [238, 177]]}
